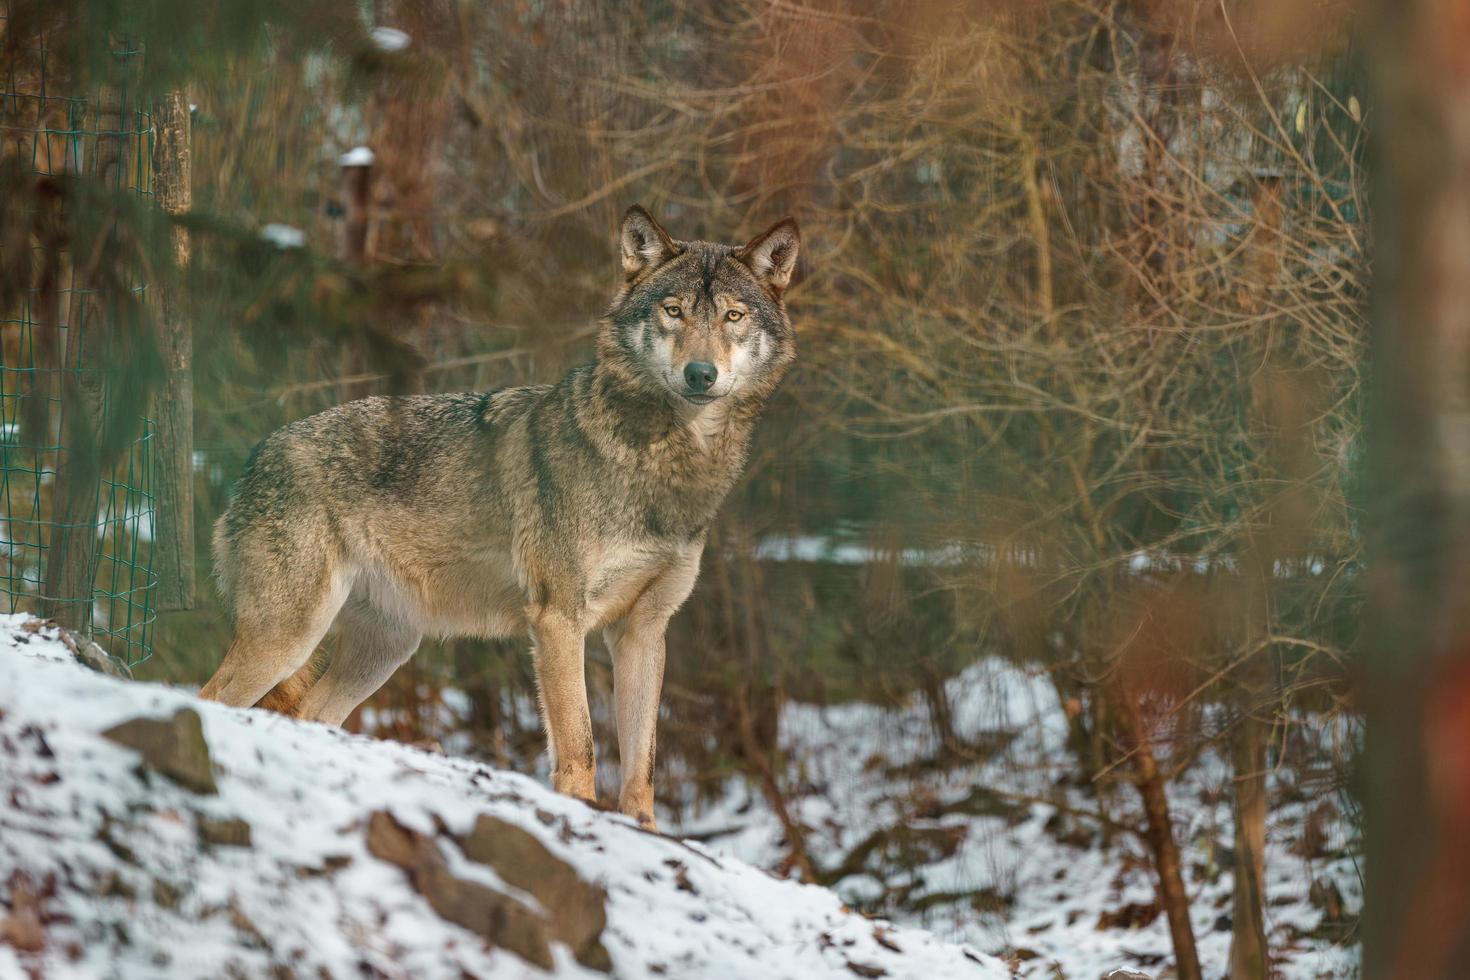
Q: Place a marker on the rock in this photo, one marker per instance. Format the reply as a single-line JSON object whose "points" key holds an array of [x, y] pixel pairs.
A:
{"points": [[166, 894], [331, 864], [1017, 955], [681, 876], [246, 927], [231, 832], [93, 656], [87, 651], [119, 850], [22, 927], [577, 908], [174, 747], [112, 885], [498, 918]]}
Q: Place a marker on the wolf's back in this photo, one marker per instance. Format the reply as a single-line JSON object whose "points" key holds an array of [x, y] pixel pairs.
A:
{"points": [[353, 459]]}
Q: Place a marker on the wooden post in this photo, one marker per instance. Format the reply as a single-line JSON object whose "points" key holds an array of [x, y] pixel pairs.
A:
{"points": [[173, 542], [357, 196], [357, 186]]}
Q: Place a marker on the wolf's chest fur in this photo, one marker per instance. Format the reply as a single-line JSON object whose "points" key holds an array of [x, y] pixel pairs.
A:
{"points": [[621, 492]]}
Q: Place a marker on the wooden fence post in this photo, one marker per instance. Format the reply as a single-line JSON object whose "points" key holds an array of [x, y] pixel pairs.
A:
{"points": [[357, 194]]}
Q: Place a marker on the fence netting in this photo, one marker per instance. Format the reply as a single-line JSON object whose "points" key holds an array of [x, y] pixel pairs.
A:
{"points": [[76, 517]]}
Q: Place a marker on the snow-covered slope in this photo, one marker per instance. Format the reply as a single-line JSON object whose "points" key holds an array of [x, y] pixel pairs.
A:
{"points": [[295, 850]]}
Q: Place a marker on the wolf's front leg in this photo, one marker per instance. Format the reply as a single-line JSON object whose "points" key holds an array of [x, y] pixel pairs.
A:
{"points": [[637, 646], [638, 673], [560, 679]]}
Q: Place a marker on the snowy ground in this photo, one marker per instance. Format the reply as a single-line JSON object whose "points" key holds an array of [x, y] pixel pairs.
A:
{"points": [[110, 869], [999, 852]]}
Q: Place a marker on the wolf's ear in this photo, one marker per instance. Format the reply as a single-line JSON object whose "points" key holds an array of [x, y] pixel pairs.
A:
{"points": [[772, 255], [643, 243]]}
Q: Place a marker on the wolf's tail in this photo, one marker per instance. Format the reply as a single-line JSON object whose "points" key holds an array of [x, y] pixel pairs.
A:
{"points": [[286, 696]]}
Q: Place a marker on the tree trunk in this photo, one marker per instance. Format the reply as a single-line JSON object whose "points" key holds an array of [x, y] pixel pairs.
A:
{"points": [[1248, 959], [758, 757], [173, 472], [1416, 671], [1160, 835], [941, 715], [71, 553]]}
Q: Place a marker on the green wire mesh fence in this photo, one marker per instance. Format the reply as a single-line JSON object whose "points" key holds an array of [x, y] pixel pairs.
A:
{"points": [[57, 358]]}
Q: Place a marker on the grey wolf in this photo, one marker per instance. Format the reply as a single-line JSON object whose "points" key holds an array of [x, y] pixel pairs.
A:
{"points": [[549, 510]]}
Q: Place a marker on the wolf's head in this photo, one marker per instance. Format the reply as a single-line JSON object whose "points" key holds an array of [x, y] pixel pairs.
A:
{"points": [[698, 321]]}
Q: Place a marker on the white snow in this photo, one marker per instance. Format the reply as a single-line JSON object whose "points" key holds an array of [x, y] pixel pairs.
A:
{"points": [[283, 236], [390, 39], [136, 894], [358, 156], [829, 550], [846, 766]]}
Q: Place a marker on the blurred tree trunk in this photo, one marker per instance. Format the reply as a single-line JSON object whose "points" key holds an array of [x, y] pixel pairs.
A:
{"points": [[1248, 953], [941, 714], [1159, 832], [487, 720], [174, 472], [71, 554], [1249, 959], [1417, 668]]}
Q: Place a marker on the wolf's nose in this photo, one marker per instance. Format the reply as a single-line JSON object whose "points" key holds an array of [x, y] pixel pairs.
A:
{"points": [[700, 376]]}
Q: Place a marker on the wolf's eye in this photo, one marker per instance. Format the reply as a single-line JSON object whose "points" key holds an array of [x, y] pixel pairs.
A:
{"points": [[734, 315], [673, 311]]}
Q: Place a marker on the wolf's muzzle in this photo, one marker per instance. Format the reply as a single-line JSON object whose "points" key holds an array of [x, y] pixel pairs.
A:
{"points": [[700, 376]]}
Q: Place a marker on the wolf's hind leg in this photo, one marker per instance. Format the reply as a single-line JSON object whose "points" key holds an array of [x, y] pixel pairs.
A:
{"points": [[261, 656], [369, 649], [285, 697], [277, 626]]}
